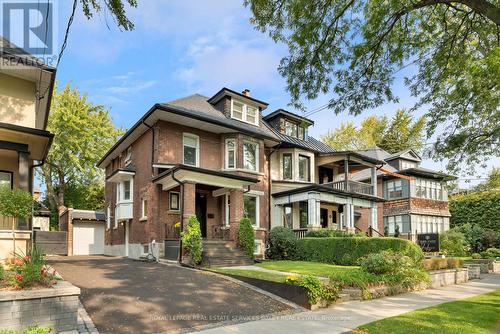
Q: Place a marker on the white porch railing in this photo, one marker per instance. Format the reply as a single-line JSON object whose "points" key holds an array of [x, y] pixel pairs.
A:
{"points": [[124, 210], [352, 186]]}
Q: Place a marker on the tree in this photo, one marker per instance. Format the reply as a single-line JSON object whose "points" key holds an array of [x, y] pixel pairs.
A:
{"points": [[492, 183], [397, 135], [354, 49], [83, 133], [192, 241], [115, 7]]}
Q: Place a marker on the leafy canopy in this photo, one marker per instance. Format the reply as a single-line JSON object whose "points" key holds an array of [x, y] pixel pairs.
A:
{"points": [[115, 7], [352, 50], [398, 134], [83, 133], [15, 203]]}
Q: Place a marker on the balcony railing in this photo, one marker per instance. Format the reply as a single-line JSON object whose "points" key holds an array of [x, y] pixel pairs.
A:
{"points": [[124, 210], [300, 232], [352, 186]]}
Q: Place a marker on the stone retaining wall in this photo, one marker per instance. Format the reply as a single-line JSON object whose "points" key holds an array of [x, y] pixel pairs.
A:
{"points": [[446, 277], [52, 307], [486, 265]]}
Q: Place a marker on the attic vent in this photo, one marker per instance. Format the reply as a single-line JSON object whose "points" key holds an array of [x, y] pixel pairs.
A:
{"points": [[246, 92]]}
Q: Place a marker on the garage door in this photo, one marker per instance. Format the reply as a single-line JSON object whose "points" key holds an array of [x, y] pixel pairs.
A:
{"points": [[88, 238]]}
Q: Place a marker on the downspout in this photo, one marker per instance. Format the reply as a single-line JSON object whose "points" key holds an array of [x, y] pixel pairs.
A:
{"points": [[152, 145], [181, 184]]}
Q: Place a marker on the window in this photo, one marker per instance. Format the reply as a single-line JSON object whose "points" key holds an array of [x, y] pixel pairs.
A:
{"points": [[251, 208], [251, 115], [6, 179], [227, 206], [429, 189], [128, 156], [407, 164], [304, 168], [244, 112], [394, 189], [290, 129], [251, 156], [174, 201], [303, 214], [191, 146], [144, 209], [126, 190], [302, 132], [288, 216], [287, 166], [230, 153], [257, 249]]}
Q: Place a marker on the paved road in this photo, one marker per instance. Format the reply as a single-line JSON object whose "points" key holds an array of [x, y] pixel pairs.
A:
{"points": [[344, 317], [126, 296]]}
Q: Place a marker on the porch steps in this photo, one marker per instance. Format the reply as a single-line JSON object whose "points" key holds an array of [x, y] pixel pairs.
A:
{"points": [[223, 254]]}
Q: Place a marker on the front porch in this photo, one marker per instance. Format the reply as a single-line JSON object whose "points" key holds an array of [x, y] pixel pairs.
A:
{"points": [[322, 207]]}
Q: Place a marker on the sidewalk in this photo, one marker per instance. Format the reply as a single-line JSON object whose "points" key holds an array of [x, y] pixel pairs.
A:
{"points": [[347, 316]]}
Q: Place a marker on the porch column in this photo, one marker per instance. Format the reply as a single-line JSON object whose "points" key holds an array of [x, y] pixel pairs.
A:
{"points": [[373, 216], [313, 210], [236, 212], [188, 202], [349, 217], [374, 181], [346, 174]]}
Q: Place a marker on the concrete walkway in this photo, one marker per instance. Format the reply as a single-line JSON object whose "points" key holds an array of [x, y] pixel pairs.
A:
{"points": [[347, 316]]}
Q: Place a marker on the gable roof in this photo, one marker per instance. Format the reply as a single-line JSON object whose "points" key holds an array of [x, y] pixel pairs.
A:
{"points": [[226, 91], [408, 154]]}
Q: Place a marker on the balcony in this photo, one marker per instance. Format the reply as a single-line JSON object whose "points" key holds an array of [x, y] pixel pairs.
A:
{"points": [[352, 186], [124, 210]]}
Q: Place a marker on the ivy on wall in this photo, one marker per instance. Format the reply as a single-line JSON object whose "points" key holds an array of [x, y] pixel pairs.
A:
{"points": [[476, 208]]}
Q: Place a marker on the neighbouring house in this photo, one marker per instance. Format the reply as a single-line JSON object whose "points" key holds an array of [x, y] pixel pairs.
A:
{"points": [[416, 197], [25, 93], [217, 158], [41, 214]]}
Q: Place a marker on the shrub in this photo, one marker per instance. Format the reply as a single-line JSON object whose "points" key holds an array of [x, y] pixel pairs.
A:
{"points": [[452, 242], [440, 263], [191, 241], [246, 238], [316, 290], [327, 233], [37, 330], [282, 244], [476, 256], [477, 208], [491, 253], [477, 238], [386, 262], [30, 270], [348, 251], [396, 231], [2, 272]]}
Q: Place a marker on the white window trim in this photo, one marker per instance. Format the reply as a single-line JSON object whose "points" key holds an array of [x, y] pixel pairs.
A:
{"points": [[128, 156], [144, 215], [282, 166], [197, 138], [257, 155], [227, 218], [11, 175], [257, 209], [227, 152], [244, 111], [178, 201], [120, 192], [257, 246]]}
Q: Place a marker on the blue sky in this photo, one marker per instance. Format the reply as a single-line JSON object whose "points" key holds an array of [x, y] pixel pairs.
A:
{"points": [[180, 48]]}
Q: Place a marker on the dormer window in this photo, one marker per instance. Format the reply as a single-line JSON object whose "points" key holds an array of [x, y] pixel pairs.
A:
{"points": [[128, 156], [244, 112], [295, 130]]}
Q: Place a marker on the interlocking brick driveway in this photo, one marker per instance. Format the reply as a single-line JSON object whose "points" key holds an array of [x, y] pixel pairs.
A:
{"points": [[126, 296]]}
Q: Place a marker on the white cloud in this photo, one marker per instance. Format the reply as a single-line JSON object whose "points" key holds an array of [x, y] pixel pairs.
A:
{"points": [[130, 87]]}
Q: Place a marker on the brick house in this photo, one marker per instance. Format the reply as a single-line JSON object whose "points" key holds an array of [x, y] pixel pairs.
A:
{"points": [[416, 197], [220, 160]]}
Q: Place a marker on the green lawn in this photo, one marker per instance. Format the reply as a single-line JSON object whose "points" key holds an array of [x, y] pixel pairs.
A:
{"points": [[346, 275], [251, 274], [480, 314]]}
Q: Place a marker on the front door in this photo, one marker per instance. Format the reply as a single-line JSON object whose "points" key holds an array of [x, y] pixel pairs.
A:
{"points": [[323, 217], [201, 212]]}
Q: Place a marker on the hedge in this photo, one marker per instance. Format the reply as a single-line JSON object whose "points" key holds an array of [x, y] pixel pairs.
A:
{"points": [[476, 208], [348, 251]]}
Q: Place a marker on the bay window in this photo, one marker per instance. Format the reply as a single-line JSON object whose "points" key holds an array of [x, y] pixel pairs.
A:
{"points": [[230, 153], [251, 156], [251, 208], [191, 149], [287, 166], [304, 168]]}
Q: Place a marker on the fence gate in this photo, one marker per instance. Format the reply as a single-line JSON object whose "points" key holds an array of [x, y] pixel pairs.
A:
{"points": [[51, 242]]}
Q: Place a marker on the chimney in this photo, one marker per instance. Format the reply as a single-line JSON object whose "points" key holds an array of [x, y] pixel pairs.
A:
{"points": [[246, 92]]}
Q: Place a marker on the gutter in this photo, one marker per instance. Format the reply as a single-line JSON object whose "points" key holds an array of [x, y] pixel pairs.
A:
{"points": [[152, 144]]}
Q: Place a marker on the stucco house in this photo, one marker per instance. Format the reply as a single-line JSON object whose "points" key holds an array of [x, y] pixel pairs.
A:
{"points": [[25, 92], [219, 159]]}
